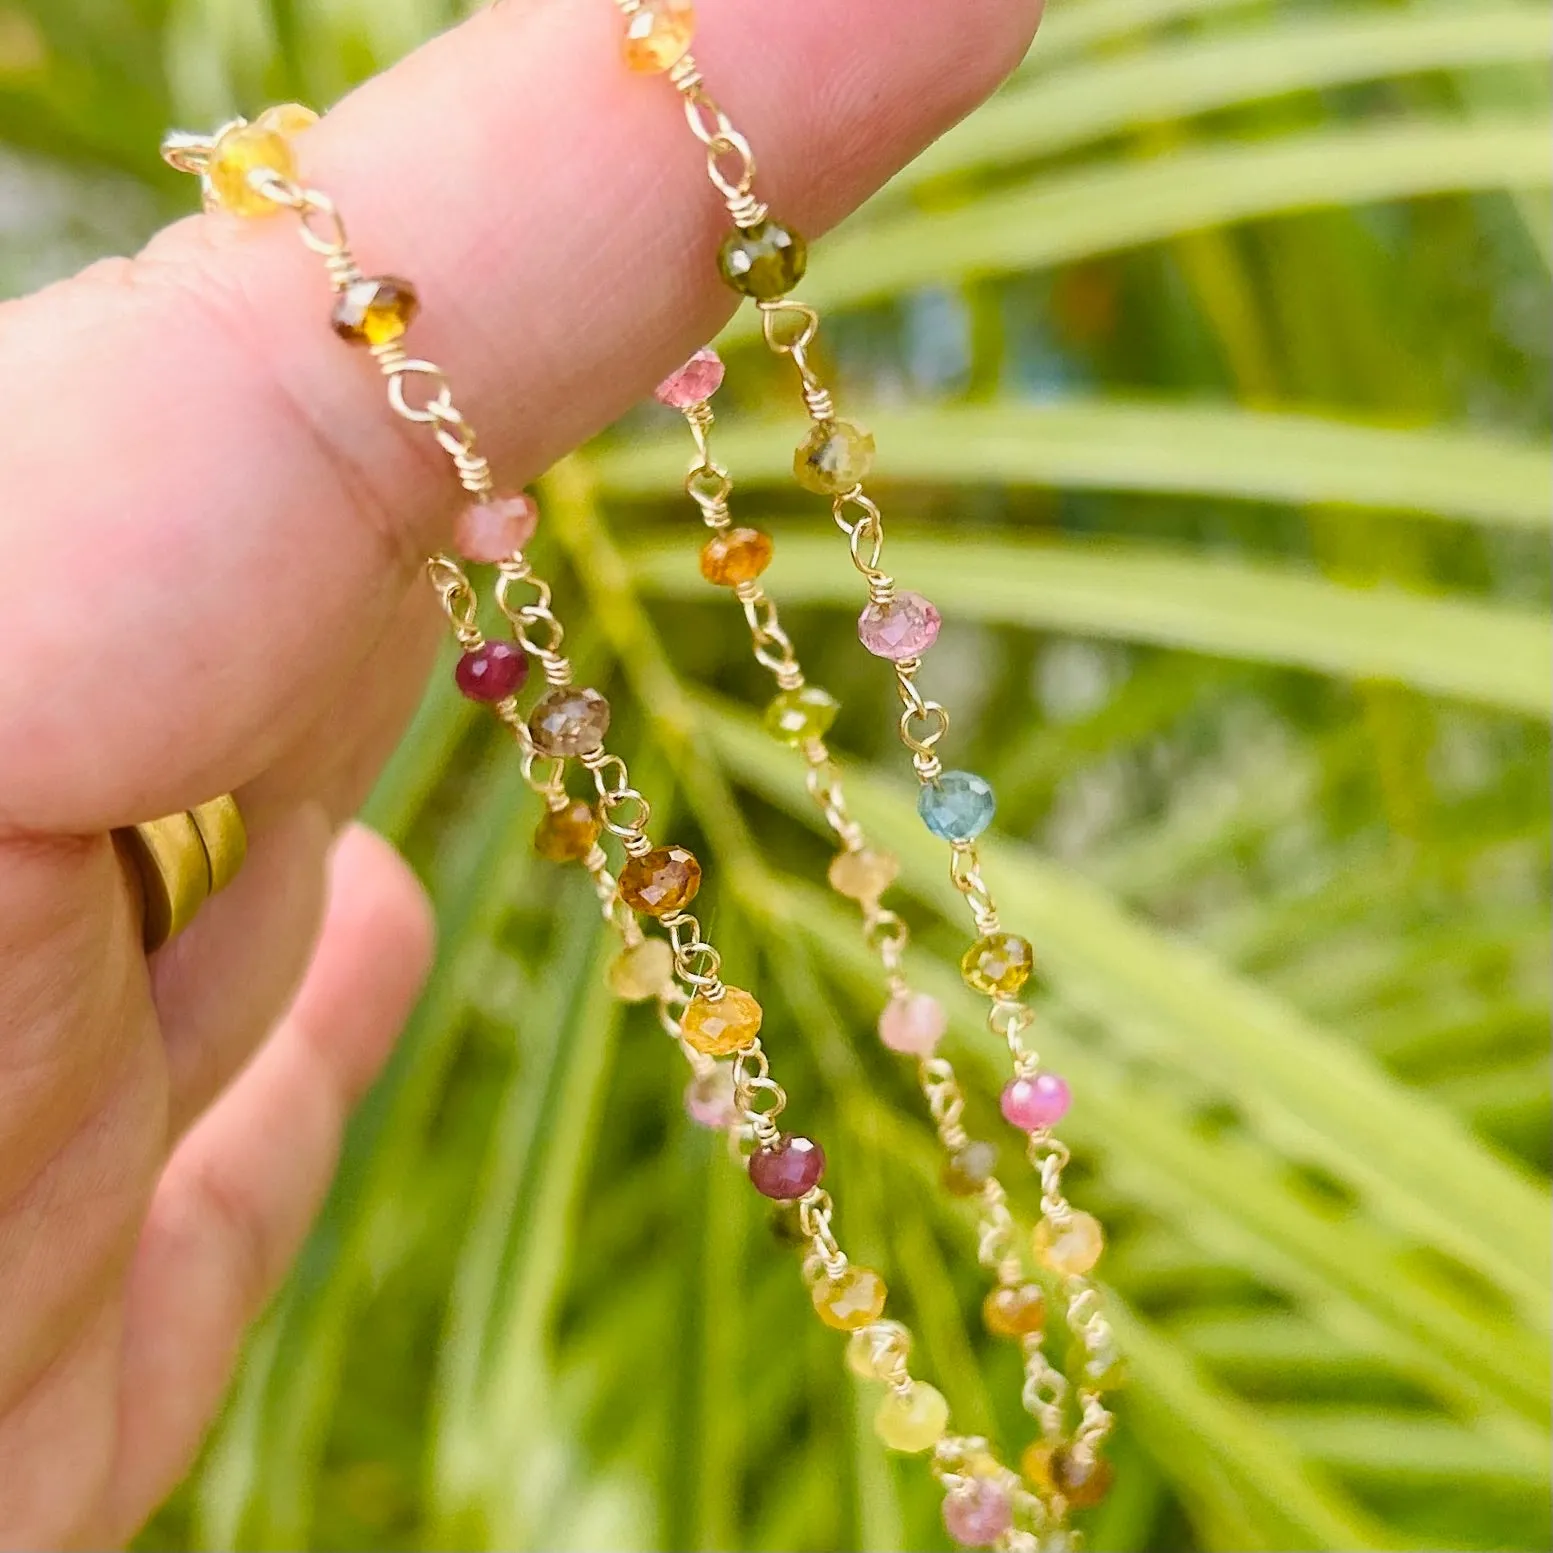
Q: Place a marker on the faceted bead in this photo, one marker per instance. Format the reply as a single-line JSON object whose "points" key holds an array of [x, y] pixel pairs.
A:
{"points": [[658, 36], [788, 1168], [914, 1422], [978, 1513], [833, 458], [1070, 1248], [694, 383], [855, 1299], [718, 1029], [904, 628], [569, 722], [998, 965], [660, 882], [736, 555], [375, 311], [642, 971], [492, 672], [1015, 1311], [796, 716], [567, 834], [875, 1351], [710, 1100], [968, 1170], [241, 151], [764, 261], [913, 1024], [287, 118], [1033, 1103], [863, 875], [957, 807], [497, 528], [1082, 1484]]}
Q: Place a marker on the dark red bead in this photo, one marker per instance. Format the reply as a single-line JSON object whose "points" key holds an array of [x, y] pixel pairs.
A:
{"points": [[788, 1169], [492, 672]]}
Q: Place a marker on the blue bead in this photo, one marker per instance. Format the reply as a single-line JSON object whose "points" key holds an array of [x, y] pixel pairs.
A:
{"points": [[959, 806]]}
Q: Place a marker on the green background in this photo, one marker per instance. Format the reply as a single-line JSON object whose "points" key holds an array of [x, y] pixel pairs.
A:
{"points": [[1209, 366]]}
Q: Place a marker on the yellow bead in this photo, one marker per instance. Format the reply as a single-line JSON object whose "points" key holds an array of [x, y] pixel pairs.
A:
{"points": [[915, 1422], [833, 458], [658, 35], [642, 971], [855, 1299], [797, 716], [998, 965], [241, 151], [1072, 1247], [862, 876], [876, 1351], [375, 311], [287, 118], [718, 1029]]}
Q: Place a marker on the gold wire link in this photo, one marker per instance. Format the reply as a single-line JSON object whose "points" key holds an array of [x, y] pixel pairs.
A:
{"points": [[748, 1086], [457, 596], [715, 130], [535, 623], [823, 782], [965, 875], [698, 962], [1045, 1390], [815, 1211], [774, 313]]}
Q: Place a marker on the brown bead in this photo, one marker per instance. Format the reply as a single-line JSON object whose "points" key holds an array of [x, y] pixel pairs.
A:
{"points": [[569, 722], [661, 882], [720, 1028], [736, 555], [1053, 1467], [1014, 1311], [375, 311], [968, 1171], [566, 835]]}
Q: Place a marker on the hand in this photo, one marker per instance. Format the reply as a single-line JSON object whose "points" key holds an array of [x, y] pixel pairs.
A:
{"points": [[210, 583]]}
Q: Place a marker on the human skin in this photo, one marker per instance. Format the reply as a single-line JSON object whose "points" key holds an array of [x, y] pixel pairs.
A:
{"points": [[209, 582]]}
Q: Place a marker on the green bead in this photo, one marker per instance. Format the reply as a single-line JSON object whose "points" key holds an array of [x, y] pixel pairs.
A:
{"points": [[833, 458], [764, 261], [796, 716]]}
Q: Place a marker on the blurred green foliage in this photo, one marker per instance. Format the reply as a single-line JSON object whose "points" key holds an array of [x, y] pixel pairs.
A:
{"points": [[1210, 368]]}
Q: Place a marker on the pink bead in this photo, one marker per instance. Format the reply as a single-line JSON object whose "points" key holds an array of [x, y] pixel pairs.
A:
{"points": [[789, 1168], [978, 1514], [694, 383], [1033, 1103], [492, 672], [496, 529], [904, 628], [710, 1101], [913, 1023]]}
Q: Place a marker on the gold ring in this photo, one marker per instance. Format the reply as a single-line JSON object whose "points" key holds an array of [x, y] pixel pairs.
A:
{"points": [[181, 860]]}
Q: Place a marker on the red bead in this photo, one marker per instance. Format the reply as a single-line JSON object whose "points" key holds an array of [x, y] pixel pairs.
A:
{"points": [[788, 1169], [492, 672]]}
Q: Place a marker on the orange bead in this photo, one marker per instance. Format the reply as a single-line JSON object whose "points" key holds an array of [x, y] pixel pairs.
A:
{"points": [[1014, 1312], [720, 1028], [1054, 1468], [566, 835], [660, 882], [736, 555], [658, 35]]}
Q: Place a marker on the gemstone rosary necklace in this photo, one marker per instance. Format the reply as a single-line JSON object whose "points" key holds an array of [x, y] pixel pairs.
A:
{"points": [[254, 170]]}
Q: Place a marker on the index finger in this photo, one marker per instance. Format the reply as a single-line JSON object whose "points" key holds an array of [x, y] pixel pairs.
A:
{"points": [[216, 480]]}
